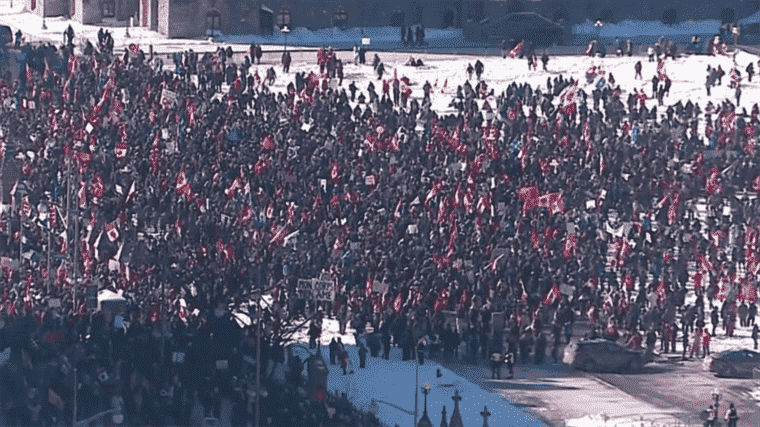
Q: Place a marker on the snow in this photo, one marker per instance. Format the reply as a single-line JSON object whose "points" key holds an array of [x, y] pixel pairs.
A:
{"points": [[393, 381], [632, 28]]}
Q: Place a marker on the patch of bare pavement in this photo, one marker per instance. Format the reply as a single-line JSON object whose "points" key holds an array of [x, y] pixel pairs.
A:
{"points": [[669, 391]]}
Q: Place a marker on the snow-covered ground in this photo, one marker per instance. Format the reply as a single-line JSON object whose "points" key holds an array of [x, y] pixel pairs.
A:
{"points": [[393, 381]]}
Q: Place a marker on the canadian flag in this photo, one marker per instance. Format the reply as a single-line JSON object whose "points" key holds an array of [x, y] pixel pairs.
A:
{"points": [[398, 303], [529, 196], [121, 150], [98, 188], [183, 187], [278, 234], [675, 201], [442, 301], [570, 247], [662, 291], [246, 215], [555, 202], [26, 207], [112, 231], [515, 52], [748, 293], [661, 73], [711, 184], [567, 98], [260, 167], [334, 172], [552, 296]]}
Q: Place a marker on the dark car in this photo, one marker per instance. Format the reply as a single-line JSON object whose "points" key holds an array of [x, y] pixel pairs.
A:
{"points": [[525, 26], [6, 35], [603, 355], [735, 363]]}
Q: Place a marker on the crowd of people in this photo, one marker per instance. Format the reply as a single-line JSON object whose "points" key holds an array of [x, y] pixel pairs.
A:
{"points": [[529, 201]]}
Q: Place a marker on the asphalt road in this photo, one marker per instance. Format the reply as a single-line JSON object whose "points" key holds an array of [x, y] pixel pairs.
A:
{"points": [[686, 386], [668, 390]]}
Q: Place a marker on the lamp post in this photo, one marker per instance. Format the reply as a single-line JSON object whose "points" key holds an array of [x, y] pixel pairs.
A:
{"points": [[44, 27], [285, 30], [598, 24]]}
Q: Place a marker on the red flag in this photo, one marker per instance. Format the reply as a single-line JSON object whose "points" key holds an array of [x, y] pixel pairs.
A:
{"points": [[98, 188], [515, 52], [183, 187], [555, 202], [82, 195], [628, 282], [334, 172], [268, 144], [529, 196], [121, 150], [711, 184], [552, 295], [570, 248], [662, 291], [260, 167], [112, 231], [26, 207], [442, 301], [675, 201], [748, 293], [368, 287]]}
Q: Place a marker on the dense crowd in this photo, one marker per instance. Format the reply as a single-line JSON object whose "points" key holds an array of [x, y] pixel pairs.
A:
{"points": [[185, 197]]}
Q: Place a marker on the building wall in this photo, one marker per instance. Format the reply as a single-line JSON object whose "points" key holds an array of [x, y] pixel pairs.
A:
{"points": [[52, 7], [86, 11]]}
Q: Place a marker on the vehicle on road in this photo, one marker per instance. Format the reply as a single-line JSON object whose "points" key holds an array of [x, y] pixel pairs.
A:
{"points": [[735, 363], [603, 355]]}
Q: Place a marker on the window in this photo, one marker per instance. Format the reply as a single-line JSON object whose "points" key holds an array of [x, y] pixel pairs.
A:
{"points": [[109, 9], [340, 19], [283, 17], [213, 21]]}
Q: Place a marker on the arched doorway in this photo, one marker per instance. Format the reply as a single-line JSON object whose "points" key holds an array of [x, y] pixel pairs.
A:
{"points": [[448, 18], [397, 19], [266, 21]]}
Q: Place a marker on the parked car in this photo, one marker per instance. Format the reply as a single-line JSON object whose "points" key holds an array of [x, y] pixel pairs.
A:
{"points": [[603, 355], [735, 363]]}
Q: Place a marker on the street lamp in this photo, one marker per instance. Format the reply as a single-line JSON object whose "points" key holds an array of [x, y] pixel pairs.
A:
{"points": [[44, 27], [286, 30], [598, 24]]}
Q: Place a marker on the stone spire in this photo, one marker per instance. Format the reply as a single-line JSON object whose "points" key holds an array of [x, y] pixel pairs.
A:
{"points": [[443, 417], [485, 414], [456, 417], [425, 420]]}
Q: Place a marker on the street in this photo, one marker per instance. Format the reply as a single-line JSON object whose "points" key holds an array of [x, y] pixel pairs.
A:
{"points": [[669, 391]]}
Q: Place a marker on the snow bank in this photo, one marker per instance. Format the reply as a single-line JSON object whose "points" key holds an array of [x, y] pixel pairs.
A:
{"points": [[393, 382]]}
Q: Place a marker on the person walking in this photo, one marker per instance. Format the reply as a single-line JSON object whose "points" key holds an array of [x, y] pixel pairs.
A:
{"points": [[705, 342], [362, 355], [496, 360], [510, 361], [755, 333], [695, 347], [333, 350], [731, 416], [637, 67], [712, 415]]}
